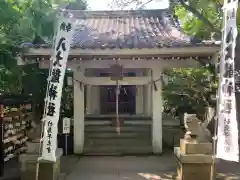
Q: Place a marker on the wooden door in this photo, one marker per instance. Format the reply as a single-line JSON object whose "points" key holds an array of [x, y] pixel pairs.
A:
{"points": [[127, 98]]}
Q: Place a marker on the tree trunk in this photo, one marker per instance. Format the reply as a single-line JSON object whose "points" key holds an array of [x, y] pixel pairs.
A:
{"points": [[208, 120]]}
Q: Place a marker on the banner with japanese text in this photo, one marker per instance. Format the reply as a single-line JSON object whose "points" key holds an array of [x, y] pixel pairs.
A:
{"points": [[227, 134], [61, 49], [227, 144]]}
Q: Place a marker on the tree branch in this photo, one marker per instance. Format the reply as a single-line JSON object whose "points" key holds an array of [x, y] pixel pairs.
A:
{"points": [[123, 3], [199, 16], [142, 5]]}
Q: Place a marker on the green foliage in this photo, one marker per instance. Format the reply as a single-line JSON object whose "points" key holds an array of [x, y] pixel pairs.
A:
{"points": [[192, 90], [189, 90], [10, 80], [195, 26], [22, 21]]}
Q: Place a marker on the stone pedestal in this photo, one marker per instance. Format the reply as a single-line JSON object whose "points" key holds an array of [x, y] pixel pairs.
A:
{"points": [[194, 160], [47, 170]]}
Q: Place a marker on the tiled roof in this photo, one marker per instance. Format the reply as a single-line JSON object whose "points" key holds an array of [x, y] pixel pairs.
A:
{"points": [[128, 29]]}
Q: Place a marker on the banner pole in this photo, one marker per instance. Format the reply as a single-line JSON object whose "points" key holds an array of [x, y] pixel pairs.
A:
{"points": [[66, 144], [215, 126]]}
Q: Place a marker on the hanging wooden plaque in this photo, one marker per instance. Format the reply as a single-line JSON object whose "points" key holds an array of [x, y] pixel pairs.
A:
{"points": [[116, 72]]}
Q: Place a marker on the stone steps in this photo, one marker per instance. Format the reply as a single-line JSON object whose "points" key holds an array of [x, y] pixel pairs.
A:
{"points": [[102, 139], [110, 117], [115, 135], [128, 128], [118, 150], [118, 142], [109, 122]]}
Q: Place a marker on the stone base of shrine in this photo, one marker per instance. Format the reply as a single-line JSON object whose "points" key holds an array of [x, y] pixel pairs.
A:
{"points": [[47, 170], [193, 166]]}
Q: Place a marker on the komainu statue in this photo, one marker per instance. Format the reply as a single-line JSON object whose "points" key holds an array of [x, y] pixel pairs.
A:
{"points": [[195, 129]]}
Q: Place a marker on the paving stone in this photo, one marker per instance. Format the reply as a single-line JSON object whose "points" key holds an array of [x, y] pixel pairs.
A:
{"points": [[139, 168]]}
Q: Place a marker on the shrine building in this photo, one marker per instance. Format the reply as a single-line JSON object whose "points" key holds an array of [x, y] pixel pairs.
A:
{"points": [[142, 43]]}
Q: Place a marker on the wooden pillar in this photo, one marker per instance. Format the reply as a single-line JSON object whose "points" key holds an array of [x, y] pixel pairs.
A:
{"points": [[157, 112], [148, 97], [89, 99], [95, 100], [139, 100], [78, 114]]}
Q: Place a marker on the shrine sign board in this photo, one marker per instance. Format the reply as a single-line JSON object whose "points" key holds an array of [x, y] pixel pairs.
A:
{"points": [[116, 72], [66, 125]]}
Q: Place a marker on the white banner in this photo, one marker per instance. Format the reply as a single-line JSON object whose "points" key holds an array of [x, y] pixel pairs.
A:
{"points": [[62, 43], [227, 144]]}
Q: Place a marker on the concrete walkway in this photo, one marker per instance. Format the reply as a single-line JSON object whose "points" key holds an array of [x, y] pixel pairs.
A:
{"points": [[138, 168], [123, 168]]}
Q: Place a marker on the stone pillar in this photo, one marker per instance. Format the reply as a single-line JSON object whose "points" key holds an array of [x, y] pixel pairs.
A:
{"points": [[139, 100], [156, 112], [148, 97], [95, 100], [89, 99], [78, 114]]}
